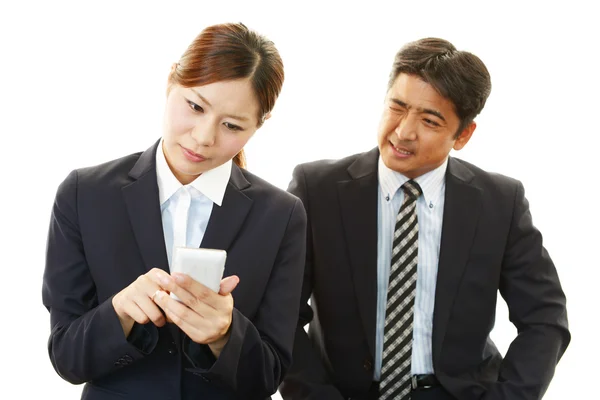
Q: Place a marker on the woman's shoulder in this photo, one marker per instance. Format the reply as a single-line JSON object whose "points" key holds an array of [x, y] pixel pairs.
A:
{"points": [[260, 189], [116, 166], [112, 173], [97, 184]]}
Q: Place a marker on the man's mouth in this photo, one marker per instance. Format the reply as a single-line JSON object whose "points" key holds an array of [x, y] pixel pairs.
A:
{"points": [[402, 150]]}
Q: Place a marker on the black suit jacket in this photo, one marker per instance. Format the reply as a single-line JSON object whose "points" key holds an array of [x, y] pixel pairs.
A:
{"points": [[488, 244], [106, 230]]}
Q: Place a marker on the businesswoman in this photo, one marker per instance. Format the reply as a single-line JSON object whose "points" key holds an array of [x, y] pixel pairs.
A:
{"points": [[114, 226]]}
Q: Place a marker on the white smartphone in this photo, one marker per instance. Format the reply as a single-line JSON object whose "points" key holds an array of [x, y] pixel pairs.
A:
{"points": [[203, 265]]}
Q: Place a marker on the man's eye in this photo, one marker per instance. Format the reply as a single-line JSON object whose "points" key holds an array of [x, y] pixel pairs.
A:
{"points": [[430, 122]]}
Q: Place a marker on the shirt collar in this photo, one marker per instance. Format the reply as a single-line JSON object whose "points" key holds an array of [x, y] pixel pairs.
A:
{"points": [[211, 183], [431, 183]]}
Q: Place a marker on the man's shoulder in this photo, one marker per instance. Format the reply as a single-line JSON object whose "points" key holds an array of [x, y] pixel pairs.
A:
{"points": [[334, 169], [483, 178]]}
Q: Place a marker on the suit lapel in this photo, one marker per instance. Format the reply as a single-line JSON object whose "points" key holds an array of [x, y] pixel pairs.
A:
{"points": [[142, 201], [226, 221], [358, 205], [461, 213], [143, 206]]}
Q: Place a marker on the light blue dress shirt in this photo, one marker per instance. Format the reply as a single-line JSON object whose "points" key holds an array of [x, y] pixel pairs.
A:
{"points": [[187, 208], [430, 214]]}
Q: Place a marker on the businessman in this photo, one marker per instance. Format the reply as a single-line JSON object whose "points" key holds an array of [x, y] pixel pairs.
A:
{"points": [[408, 248]]}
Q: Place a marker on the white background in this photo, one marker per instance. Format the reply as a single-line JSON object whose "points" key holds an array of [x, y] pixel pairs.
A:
{"points": [[82, 83]]}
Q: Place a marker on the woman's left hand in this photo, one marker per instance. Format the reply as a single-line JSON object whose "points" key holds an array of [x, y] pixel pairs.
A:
{"points": [[205, 316]]}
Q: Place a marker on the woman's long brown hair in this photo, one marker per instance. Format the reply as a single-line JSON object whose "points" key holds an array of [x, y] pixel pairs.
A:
{"points": [[231, 51]]}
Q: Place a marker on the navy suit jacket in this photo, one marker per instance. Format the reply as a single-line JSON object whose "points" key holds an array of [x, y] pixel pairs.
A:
{"points": [[106, 230], [488, 244]]}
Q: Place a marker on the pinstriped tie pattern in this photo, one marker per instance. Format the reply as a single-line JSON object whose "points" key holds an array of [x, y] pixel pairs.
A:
{"points": [[395, 382]]}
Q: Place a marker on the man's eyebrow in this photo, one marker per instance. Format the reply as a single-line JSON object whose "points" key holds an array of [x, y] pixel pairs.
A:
{"points": [[421, 110], [400, 103], [432, 112]]}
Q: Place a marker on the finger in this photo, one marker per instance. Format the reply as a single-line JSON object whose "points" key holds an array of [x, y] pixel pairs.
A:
{"points": [[200, 330], [193, 332], [135, 312], [189, 322], [147, 305], [202, 305], [228, 284], [160, 278], [149, 283], [147, 286], [197, 290], [179, 310]]}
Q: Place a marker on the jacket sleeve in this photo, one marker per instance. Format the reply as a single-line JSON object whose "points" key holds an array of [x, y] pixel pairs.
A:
{"points": [[307, 378], [537, 307], [86, 339], [259, 351]]}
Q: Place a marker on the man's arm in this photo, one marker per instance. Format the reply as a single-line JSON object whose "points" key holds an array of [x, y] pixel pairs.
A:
{"points": [[537, 307], [307, 377]]}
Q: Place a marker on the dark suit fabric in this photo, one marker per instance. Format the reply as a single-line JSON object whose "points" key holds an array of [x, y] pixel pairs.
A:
{"points": [[488, 244], [106, 230]]}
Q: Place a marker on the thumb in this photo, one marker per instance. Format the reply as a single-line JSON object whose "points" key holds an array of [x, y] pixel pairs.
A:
{"points": [[228, 284]]}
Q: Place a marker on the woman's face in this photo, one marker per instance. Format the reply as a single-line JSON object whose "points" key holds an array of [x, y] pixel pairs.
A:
{"points": [[206, 126]]}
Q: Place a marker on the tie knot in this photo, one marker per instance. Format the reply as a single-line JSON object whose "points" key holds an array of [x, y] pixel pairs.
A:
{"points": [[412, 189]]}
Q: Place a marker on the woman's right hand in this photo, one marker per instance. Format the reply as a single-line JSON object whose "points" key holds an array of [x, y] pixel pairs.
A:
{"points": [[135, 303]]}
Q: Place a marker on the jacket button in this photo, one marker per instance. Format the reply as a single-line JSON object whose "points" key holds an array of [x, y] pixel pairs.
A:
{"points": [[368, 365]]}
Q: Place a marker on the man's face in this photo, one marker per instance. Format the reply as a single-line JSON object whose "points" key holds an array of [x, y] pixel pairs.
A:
{"points": [[418, 127]]}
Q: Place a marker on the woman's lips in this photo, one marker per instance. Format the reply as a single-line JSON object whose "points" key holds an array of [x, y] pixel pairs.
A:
{"points": [[193, 157]]}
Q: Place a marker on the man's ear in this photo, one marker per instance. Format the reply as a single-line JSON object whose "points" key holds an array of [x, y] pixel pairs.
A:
{"points": [[464, 136]]}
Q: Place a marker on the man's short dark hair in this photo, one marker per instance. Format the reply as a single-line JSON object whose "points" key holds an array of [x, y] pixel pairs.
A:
{"points": [[457, 75]]}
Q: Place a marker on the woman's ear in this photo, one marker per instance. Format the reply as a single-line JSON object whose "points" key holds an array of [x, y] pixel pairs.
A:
{"points": [[169, 80]]}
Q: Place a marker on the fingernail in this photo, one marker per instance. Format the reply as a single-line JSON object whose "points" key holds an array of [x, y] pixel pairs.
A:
{"points": [[163, 279], [178, 278]]}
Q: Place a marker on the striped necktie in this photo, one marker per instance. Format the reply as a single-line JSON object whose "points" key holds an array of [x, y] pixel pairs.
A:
{"points": [[395, 382]]}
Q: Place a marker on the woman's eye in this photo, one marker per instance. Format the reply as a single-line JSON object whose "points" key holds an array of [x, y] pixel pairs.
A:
{"points": [[195, 106], [232, 127]]}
